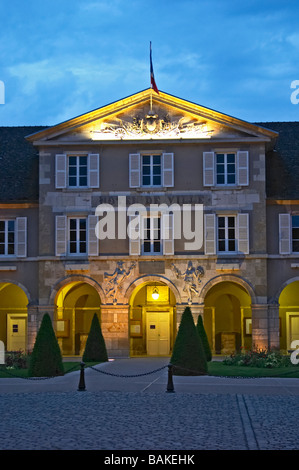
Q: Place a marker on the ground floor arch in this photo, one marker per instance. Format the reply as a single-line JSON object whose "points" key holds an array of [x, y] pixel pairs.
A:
{"points": [[75, 305], [152, 322], [289, 315], [13, 317], [228, 317]]}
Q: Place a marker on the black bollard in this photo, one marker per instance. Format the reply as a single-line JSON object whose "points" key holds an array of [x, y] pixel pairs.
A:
{"points": [[170, 387], [81, 387]]}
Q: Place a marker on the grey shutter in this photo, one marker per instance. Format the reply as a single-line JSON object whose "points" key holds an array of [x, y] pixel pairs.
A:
{"points": [[210, 234], [208, 169], [134, 170], [93, 242], [168, 233], [134, 242], [21, 236], [60, 171], [284, 234], [93, 170], [243, 233], [243, 169], [167, 170], [61, 235]]}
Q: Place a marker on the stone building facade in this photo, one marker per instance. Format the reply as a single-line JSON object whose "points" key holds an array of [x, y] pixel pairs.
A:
{"points": [[139, 208]]}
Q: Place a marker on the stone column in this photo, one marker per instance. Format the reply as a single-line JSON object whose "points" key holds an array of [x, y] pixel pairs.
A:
{"points": [[260, 339], [273, 326], [115, 329]]}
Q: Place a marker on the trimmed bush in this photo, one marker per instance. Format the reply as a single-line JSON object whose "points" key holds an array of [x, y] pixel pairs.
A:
{"points": [[46, 358], [188, 353], [95, 348], [204, 339]]}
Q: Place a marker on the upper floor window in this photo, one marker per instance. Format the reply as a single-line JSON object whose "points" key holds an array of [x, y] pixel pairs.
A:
{"points": [[151, 236], [226, 169], [7, 237], [13, 237], [295, 233], [288, 234], [226, 234], [77, 236], [151, 170], [77, 171]]}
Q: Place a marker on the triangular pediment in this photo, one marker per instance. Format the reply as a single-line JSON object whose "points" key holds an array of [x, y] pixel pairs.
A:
{"points": [[151, 116]]}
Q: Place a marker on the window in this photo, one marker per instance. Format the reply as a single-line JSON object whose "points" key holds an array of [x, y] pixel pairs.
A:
{"points": [[295, 233], [77, 236], [226, 234], [225, 168], [151, 170], [151, 236], [7, 237], [77, 171]]}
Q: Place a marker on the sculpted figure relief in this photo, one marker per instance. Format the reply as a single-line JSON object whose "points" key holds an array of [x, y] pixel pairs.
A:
{"points": [[115, 280], [191, 279]]}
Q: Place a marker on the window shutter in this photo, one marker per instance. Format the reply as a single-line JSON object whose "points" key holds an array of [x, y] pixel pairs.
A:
{"points": [[93, 170], [210, 234], [243, 170], [93, 242], [168, 170], [61, 235], [134, 170], [21, 237], [284, 234], [208, 169], [60, 171], [168, 234], [243, 233], [134, 242]]}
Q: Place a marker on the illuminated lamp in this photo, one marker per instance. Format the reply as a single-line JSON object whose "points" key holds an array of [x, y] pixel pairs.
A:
{"points": [[155, 293]]}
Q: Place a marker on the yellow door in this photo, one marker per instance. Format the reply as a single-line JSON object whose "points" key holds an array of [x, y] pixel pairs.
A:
{"points": [[158, 333], [16, 332], [294, 328]]}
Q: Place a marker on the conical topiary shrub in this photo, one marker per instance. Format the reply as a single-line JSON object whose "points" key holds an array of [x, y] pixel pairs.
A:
{"points": [[46, 358], [188, 353], [204, 339], [95, 348]]}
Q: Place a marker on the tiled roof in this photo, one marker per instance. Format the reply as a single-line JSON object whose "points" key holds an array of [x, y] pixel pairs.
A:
{"points": [[18, 165], [282, 163]]}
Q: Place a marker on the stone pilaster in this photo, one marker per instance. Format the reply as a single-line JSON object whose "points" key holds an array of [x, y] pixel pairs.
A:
{"points": [[260, 339], [273, 326], [115, 329]]}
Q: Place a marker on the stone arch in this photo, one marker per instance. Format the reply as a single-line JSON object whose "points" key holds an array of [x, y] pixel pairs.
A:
{"points": [[275, 299], [152, 278], [21, 286], [227, 278], [61, 283]]}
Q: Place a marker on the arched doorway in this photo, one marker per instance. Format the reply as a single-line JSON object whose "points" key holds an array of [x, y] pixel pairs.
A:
{"points": [[13, 317], [152, 323], [289, 315], [76, 303], [227, 317]]}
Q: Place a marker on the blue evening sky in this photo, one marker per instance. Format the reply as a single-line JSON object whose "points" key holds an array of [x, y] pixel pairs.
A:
{"points": [[62, 58]]}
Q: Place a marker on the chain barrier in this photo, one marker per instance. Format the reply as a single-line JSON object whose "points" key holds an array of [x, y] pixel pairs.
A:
{"points": [[128, 375]]}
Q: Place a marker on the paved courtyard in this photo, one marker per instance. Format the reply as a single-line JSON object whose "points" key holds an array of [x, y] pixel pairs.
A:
{"points": [[136, 413]]}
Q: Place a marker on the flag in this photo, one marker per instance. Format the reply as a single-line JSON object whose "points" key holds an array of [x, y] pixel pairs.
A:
{"points": [[153, 83]]}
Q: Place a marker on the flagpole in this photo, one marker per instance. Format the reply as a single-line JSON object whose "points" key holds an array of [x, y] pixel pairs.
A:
{"points": [[151, 94]]}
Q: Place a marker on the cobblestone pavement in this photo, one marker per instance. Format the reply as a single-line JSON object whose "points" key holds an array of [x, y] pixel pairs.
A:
{"points": [[144, 417], [147, 421]]}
